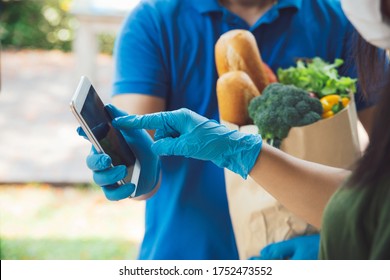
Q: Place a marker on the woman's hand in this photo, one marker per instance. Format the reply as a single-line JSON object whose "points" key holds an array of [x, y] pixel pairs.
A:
{"points": [[185, 133]]}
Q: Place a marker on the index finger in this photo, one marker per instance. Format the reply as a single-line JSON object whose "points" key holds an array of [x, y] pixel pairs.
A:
{"points": [[150, 121]]}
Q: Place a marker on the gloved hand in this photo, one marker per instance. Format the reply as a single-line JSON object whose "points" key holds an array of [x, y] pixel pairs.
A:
{"points": [[185, 133], [106, 176], [298, 248]]}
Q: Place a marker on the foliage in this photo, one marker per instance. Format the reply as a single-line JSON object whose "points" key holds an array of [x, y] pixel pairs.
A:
{"points": [[42, 24], [318, 76], [38, 24], [106, 42]]}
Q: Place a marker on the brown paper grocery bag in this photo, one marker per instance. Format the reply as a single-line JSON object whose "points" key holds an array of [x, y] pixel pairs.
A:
{"points": [[257, 218], [332, 141]]}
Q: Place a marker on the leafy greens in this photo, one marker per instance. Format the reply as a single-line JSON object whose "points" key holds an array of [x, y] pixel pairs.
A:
{"points": [[318, 76]]}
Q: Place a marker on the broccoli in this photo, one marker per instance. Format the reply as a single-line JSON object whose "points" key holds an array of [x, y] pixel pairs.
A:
{"points": [[281, 107]]}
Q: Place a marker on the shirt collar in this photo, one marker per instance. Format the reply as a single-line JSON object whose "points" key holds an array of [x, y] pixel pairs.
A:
{"points": [[207, 6], [289, 4]]}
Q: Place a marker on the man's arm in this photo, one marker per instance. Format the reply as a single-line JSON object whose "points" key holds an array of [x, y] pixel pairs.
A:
{"points": [[140, 104]]}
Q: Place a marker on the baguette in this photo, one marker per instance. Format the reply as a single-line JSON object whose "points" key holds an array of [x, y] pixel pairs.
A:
{"points": [[235, 89], [237, 50]]}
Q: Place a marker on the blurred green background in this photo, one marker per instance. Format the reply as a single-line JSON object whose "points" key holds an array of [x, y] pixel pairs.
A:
{"points": [[42, 24]]}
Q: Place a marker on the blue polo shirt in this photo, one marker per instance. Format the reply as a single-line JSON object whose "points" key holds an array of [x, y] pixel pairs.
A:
{"points": [[166, 49]]}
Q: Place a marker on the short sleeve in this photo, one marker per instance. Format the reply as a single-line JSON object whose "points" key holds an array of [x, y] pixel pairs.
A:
{"points": [[380, 247], [139, 55]]}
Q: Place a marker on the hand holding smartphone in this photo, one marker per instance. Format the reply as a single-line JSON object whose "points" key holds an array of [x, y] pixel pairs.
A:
{"points": [[96, 120]]}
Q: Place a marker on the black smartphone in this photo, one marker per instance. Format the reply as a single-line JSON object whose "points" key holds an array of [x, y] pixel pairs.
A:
{"points": [[95, 120]]}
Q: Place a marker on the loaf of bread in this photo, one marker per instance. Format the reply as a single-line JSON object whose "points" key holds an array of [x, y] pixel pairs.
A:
{"points": [[235, 89], [237, 50]]}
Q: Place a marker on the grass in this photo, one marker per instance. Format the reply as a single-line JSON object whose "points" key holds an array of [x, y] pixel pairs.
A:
{"points": [[46, 222], [67, 249]]}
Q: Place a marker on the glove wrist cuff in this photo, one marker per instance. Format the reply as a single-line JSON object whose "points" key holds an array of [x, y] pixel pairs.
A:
{"points": [[243, 157]]}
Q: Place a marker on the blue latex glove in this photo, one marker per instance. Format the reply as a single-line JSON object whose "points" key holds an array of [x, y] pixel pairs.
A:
{"points": [[106, 176], [298, 248], [185, 133]]}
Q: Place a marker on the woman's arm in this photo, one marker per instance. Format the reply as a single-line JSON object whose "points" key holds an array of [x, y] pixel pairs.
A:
{"points": [[303, 187]]}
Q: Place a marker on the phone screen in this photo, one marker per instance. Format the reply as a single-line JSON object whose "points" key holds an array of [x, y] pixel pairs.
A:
{"points": [[111, 140]]}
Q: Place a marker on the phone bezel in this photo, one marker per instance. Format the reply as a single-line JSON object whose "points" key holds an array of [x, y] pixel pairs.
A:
{"points": [[76, 106]]}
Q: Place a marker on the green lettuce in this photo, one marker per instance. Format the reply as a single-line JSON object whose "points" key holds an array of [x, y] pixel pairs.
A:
{"points": [[318, 76]]}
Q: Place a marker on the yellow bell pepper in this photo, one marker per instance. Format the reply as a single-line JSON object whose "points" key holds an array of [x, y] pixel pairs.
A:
{"points": [[327, 114], [329, 101], [332, 104], [345, 101]]}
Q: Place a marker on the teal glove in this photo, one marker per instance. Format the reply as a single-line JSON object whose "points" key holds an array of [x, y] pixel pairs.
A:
{"points": [[185, 133], [106, 176], [298, 248]]}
